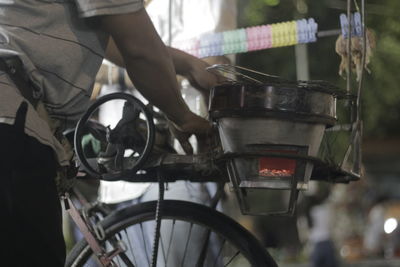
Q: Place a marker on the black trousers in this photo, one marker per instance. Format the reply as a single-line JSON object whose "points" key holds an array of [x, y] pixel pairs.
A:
{"points": [[30, 210]]}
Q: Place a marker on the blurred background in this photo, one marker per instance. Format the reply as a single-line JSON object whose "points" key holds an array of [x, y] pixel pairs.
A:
{"points": [[364, 228], [352, 224]]}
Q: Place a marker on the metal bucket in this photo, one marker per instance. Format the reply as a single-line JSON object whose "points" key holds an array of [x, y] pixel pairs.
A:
{"points": [[270, 134]]}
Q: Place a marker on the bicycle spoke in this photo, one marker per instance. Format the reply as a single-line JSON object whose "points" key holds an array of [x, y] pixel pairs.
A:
{"points": [[187, 243], [144, 244], [203, 253], [219, 252], [114, 244], [130, 247], [231, 259], [163, 250], [122, 255], [195, 239], [170, 238], [125, 259], [117, 259]]}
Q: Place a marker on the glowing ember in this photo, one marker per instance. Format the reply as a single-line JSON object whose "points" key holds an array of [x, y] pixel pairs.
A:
{"points": [[277, 166], [275, 172]]}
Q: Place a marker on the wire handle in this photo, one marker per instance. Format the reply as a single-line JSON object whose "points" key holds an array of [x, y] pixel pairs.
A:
{"points": [[239, 74], [238, 71]]}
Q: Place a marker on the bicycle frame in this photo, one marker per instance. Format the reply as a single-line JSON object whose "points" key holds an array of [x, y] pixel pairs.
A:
{"points": [[92, 231]]}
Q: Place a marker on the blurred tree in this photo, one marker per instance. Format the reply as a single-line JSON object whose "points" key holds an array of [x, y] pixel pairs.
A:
{"points": [[382, 88], [381, 93]]}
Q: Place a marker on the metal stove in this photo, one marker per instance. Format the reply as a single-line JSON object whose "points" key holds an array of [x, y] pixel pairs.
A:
{"points": [[270, 131]]}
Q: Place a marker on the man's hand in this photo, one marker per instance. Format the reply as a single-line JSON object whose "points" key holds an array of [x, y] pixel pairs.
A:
{"points": [[193, 125], [199, 77], [194, 69], [214, 79]]}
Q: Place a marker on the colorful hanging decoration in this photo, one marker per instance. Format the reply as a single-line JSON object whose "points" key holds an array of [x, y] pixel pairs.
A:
{"points": [[251, 38]]}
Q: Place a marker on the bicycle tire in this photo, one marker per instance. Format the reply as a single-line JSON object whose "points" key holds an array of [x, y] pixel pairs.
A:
{"points": [[199, 215]]}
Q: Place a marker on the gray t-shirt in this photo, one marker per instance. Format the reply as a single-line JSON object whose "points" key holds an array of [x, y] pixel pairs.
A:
{"points": [[61, 50]]}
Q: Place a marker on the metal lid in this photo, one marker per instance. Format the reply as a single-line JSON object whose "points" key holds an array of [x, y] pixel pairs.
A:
{"points": [[285, 101]]}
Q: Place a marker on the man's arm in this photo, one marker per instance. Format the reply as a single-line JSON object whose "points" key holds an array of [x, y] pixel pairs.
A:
{"points": [[150, 66], [192, 68], [147, 62]]}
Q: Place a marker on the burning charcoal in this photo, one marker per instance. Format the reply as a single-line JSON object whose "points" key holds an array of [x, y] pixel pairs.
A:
{"points": [[274, 172]]}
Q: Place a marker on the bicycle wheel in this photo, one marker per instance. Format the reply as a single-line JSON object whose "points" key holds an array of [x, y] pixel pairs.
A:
{"points": [[191, 235]]}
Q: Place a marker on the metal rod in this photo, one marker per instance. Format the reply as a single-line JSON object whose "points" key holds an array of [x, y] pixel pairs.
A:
{"points": [[358, 154], [328, 33], [169, 40], [348, 48], [90, 238], [348, 85], [363, 58]]}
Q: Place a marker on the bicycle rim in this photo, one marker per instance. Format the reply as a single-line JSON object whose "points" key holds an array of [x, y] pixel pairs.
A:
{"points": [[191, 235]]}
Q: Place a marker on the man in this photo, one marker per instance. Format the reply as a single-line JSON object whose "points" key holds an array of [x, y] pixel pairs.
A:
{"points": [[177, 21], [61, 44]]}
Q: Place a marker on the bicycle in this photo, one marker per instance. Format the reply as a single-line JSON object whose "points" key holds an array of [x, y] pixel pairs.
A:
{"points": [[128, 153], [110, 231]]}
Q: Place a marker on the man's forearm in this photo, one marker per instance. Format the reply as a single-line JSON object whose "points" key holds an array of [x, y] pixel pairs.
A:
{"points": [[180, 59], [148, 62], [155, 77]]}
